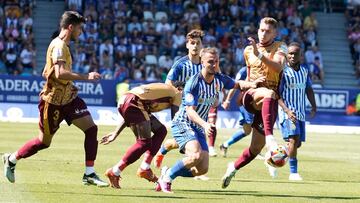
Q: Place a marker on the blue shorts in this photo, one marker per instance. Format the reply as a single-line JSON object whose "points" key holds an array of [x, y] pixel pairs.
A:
{"points": [[245, 117], [289, 129], [184, 132]]}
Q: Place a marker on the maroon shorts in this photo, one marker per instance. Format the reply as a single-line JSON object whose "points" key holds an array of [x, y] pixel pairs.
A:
{"points": [[248, 101], [132, 109], [51, 115]]}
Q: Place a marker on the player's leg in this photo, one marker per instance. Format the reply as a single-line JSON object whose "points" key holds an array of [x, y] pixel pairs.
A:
{"points": [[188, 143], [212, 137], [265, 100], [167, 146], [294, 142], [50, 117], [245, 120], [159, 131], [257, 143], [78, 114]]}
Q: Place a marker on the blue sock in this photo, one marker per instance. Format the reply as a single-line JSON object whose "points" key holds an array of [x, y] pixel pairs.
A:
{"points": [[235, 137], [179, 170], [163, 151], [293, 165]]}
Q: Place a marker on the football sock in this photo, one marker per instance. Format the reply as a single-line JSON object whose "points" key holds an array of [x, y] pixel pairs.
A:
{"points": [[116, 169], [90, 145], [179, 170], [293, 165], [212, 138], [12, 158], [135, 151], [89, 170], [245, 158], [269, 113], [157, 139], [144, 165], [163, 151], [234, 138], [30, 148]]}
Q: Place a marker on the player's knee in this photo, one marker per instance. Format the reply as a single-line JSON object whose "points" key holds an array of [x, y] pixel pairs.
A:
{"points": [[92, 131], [247, 129], [256, 149], [194, 157], [270, 94]]}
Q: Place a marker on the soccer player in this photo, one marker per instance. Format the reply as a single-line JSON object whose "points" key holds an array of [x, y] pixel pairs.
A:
{"points": [[59, 101], [295, 84], [136, 107], [245, 118], [190, 124], [266, 58], [182, 70]]}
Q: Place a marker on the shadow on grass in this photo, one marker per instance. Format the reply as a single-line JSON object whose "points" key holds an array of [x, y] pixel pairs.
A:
{"points": [[257, 194], [163, 196]]}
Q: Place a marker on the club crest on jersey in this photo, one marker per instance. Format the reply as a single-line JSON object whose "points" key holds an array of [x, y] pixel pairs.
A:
{"points": [[189, 98]]}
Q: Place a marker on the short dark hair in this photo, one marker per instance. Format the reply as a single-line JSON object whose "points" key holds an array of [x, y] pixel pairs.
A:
{"points": [[71, 18], [179, 84], [195, 34], [294, 44]]}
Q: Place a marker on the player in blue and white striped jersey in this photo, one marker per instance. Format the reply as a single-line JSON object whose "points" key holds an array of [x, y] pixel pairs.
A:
{"points": [[190, 123], [294, 85]]}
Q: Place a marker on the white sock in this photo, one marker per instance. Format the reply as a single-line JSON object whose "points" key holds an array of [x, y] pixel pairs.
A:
{"points": [[116, 170], [225, 145], [144, 165], [270, 141], [89, 170], [12, 158], [166, 177]]}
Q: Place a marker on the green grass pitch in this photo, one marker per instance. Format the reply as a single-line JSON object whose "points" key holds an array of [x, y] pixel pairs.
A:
{"points": [[329, 164]]}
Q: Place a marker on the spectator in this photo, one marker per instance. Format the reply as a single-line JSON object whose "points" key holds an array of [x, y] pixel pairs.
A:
{"points": [[27, 58], [312, 53], [11, 61]]}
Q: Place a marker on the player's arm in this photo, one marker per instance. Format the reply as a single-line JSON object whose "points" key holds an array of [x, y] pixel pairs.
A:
{"points": [[276, 63], [226, 103], [244, 85], [63, 74], [291, 114], [113, 135], [194, 116], [311, 97]]}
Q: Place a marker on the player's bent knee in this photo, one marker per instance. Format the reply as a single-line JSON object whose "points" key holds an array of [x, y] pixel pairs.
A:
{"points": [[194, 158]]}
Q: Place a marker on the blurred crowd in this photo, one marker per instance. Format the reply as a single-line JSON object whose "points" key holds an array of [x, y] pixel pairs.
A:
{"points": [[141, 39], [353, 30], [17, 45]]}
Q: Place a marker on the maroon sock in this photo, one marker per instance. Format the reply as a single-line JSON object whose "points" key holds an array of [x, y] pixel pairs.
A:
{"points": [[135, 151], [157, 139], [244, 159], [269, 113], [90, 145], [30, 148], [212, 138]]}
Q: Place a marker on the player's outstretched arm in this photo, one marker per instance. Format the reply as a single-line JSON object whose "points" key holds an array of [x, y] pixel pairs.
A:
{"points": [[113, 135], [244, 85], [276, 63], [63, 74], [311, 97], [191, 112]]}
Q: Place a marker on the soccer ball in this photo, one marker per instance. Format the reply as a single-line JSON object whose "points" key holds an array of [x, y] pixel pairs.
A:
{"points": [[277, 157]]}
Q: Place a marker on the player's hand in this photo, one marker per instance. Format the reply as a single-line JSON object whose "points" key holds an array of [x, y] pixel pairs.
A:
{"points": [[94, 76], [226, 105], [291, 115], [209, 128], [260, 80], [253, 44], [108, 138], [313, 112]]}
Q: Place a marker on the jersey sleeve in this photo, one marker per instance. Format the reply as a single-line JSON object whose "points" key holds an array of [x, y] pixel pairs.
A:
{"points": [[191, 91], [174, 72], [229, 83], [58, 53], [242, 74]]}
